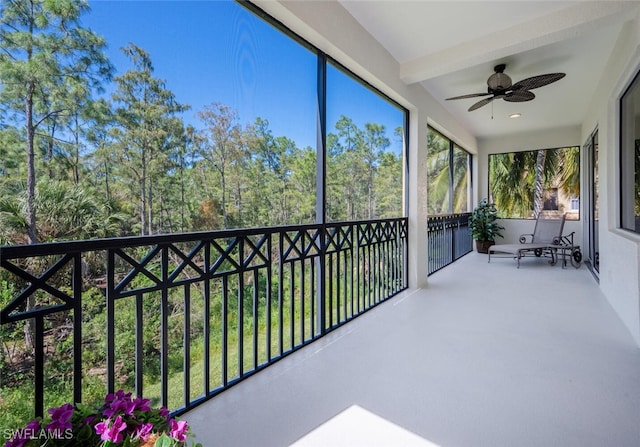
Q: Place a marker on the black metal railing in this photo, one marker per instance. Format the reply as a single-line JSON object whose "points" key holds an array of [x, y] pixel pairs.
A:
{"points": [[449, 239], [180, 318]]}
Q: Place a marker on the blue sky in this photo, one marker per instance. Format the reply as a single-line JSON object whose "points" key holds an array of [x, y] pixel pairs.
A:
{"points": [[216, 51]]}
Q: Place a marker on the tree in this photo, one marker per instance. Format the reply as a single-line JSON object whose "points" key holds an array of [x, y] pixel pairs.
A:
{"points": [[447, 174], [147, 133], [101, 121], [518, 180], [45, 51], [374, 145], [437, 173], [346, 172], [272, 158], [460, 180], [539, 187], [65, 212], [303, 186], [354, 158], [388, 186], [11, 159], [221, 146], [511, 183]]}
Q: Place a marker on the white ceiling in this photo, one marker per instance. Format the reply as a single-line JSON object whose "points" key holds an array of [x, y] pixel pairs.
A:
{"points": [[451, 47]]}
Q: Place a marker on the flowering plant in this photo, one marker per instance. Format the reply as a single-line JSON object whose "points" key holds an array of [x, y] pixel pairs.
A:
{"points": [[122, 421]]}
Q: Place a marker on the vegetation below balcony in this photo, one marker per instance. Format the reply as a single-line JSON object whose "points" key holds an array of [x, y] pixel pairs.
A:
{"points": [[179, 318]]}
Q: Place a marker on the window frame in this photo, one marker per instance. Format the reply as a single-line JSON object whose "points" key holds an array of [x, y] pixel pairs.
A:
{"points": [[452, 146], [569, 197], [626, 169], [324, 60]]}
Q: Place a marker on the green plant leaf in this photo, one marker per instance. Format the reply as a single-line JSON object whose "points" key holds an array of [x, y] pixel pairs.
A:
{"points": [[164, 441]]}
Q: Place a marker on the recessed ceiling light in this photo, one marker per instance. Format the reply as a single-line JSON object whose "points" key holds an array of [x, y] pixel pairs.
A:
{"points": [[515, 115]]}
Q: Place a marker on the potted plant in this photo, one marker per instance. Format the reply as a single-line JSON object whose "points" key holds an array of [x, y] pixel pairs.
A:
{"points": [[484, 226], [122, 420]]}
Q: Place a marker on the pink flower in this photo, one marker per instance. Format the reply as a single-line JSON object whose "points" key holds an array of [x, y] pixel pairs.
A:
{"points": [[141, 404], [118, 395], [119, 406], [164, 412], [88, 420], [119, 402], [60, 418], [113, 433], [33, 425], [178, 430], [102, 427], [16, 442], [144, 431]]}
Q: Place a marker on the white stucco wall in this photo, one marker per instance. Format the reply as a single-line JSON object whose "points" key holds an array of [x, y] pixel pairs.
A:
{"points": [[619, 249]]}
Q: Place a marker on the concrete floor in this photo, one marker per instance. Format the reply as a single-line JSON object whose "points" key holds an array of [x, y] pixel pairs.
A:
{"points": [[487, 355]]}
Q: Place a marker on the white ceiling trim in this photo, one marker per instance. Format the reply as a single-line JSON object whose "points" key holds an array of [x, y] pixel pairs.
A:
{"points": [[570, 22]]}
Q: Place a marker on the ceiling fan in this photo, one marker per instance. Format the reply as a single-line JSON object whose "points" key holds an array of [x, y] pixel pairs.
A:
{"points": [[500, 86]]}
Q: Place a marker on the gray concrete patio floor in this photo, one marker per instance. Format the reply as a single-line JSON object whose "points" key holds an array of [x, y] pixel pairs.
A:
{"points": [[486, 355]]}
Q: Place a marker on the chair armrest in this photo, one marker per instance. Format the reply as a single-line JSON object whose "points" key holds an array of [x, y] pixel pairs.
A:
{"points": [[567, 239], [523, 238]]}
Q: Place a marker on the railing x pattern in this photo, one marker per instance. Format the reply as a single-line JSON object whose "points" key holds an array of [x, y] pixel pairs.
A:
{"points": [[185, 316]]}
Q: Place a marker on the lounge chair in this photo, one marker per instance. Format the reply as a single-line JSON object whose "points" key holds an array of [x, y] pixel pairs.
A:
{"points": [[547, 235]]}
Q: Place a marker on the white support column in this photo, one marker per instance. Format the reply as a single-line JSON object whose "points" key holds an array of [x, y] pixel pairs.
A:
{"points": [[417, 201]]}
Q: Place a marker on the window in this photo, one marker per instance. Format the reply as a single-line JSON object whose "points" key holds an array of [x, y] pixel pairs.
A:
{"points": [[248, 153], [526, 184], [461, 180], [575, 203], [365, 148], [630, 156], [448, 175]]}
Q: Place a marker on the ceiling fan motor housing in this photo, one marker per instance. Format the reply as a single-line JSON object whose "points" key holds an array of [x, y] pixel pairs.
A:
{"points": [[498, 82]]}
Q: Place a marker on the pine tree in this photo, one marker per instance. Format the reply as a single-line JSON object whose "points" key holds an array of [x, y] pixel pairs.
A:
{"points": [[148, 132], [45, 54]]}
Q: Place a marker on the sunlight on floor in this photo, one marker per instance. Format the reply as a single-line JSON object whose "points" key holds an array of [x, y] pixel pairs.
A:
{"points": [[357, 427]]}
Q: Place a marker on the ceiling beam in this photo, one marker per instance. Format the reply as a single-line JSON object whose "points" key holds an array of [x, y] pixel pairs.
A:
{"points": [[570, 22]]}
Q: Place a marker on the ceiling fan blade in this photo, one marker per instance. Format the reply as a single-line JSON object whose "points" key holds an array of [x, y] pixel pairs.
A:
{"points": [[472, 95], [481, 103], [519, 96], [537, 81]]}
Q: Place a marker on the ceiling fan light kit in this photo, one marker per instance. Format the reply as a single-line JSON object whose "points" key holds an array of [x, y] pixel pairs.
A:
{"points": [[500, 86]]}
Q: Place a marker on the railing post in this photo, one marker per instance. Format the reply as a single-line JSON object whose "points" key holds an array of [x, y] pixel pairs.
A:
{"points": [[139, 345], [164, 328], [110, 310], [454, 232], [369, 259], [206, 329], [39, 366], [321, 279], [77, 327]]}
